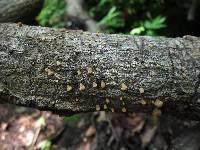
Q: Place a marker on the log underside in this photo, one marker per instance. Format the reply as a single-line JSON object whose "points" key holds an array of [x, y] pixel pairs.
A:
{"points": [[73, 71]]}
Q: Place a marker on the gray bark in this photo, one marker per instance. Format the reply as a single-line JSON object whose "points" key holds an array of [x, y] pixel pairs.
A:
{"points": [[19, 10], [56, 70]]}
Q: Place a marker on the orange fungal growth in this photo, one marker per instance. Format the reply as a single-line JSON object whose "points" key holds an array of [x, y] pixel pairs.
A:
{"points": [[78, 72], [141, 90], [81, 87], [105, 106], [158, 103], [107, 101], [69, 88], [124, 109], [143, 102], [98, 108], [49, 72], [89, 70], [94, 84], [124, 87], [103, 84]]}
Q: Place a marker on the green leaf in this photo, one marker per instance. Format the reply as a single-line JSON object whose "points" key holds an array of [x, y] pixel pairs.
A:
{"points": [[51, 9], [156, 23], [45, 145], [150, 33], [112, 19], [137, 31], [102, 3]]}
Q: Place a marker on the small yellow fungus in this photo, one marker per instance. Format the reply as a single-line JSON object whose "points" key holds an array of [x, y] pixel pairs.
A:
{"points": [[123, 109], [143, 102], [103, 84], [158, 103], [78, 72], [112, 110], [89, 70], [49, 72], [124, 87], [94, 84], [81, 87], [141, 90], [98, 108], [69, 88], [107, 101], [105, 106], [120, 98]]}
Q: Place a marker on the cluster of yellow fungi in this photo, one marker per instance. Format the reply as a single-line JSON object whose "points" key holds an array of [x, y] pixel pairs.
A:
{"points": [[157, 103]]}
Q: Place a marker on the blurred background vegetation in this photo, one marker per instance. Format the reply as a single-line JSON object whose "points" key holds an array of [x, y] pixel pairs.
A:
{"points": [[136, 17]]}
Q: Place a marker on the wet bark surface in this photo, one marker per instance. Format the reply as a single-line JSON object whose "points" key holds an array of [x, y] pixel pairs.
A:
{"points": [[75, 71]]}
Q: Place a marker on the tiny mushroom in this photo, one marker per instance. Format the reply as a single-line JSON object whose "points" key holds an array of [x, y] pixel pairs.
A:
{"points": [[141, 90], [81, 87], [49, 72], [78, 72], [124, 109], [158, 103], [103, 84], [89, 70], [107, 100], [69, 88], [105, 106], [94, 84], [124, 87], [98, 108]]}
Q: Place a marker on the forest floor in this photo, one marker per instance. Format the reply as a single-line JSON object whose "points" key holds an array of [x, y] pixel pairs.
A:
{"points": [[22, 128]]}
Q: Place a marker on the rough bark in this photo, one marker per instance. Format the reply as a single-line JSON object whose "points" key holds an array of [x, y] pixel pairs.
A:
{"points": [[75, 71], [19, 10]]}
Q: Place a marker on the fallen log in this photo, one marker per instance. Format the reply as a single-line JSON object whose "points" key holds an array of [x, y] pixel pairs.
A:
{"points": [[74, 71]]}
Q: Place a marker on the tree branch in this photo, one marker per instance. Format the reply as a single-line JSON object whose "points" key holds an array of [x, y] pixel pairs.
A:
{"points": [[76, 16], [75, 71], [19, 10]]}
